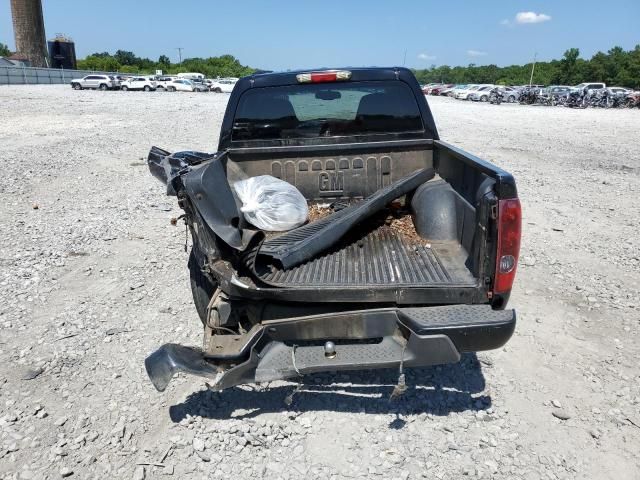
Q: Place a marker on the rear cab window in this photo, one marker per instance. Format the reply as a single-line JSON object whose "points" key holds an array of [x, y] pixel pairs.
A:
{"points": [[326, 110]]}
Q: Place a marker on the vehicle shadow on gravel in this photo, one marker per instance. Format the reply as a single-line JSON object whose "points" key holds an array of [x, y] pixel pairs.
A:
{"points": [[435, 390]]}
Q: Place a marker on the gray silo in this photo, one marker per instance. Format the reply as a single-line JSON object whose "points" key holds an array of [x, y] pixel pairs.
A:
{"points": [[28, 30], [62, 52]]}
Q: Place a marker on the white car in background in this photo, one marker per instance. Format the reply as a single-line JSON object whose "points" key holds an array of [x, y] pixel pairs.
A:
{"points": [[481, 94], [200, 86], [138, 83], [223, 85], [180, 85], [619, 90], [464, 93], [162, 82], [191, 76], [101, 82]]}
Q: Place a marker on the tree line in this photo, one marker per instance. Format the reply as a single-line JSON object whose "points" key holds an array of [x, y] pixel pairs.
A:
{"points": [[127, 62], [616, 67]]}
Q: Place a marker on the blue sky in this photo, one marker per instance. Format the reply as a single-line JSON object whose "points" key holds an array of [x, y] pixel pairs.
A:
{"points": [[300, 34]]}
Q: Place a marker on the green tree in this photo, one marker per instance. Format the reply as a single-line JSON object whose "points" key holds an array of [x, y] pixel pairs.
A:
{"points": [[4, 50], [568, 66], [99, 63], [126, 58], [164, 61], [130, 69]]}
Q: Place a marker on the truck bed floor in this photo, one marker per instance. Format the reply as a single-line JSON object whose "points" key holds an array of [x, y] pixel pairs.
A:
{"points": [[381, 257]]}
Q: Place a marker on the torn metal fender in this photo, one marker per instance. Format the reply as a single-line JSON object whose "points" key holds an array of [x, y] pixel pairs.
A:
{"points": [[209, 191], [202, 177], [166, 166]]}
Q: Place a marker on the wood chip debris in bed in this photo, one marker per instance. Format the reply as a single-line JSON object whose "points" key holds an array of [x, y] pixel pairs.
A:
{"points": [[395, 218], [404, 226], [318, 211]]}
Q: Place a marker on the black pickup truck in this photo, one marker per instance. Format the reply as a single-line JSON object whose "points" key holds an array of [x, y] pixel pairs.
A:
{"points": [[411, 263]]}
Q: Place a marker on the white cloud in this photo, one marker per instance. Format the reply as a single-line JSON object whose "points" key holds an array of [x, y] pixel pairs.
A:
{"points": [[531, 17], [476, 53], [505, 22], [426, 56]]}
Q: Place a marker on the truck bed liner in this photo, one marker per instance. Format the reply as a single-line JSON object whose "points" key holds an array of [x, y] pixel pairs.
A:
{"points": [[303, 243], [382, 257]]}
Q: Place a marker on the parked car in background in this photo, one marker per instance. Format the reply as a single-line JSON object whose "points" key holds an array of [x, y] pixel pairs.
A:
{"points": [[620, 90], [445, 91], [555, 94], [481, 94], [180, 85], [464, 93], [138, 83], [223, 85], [512, 94], [199, 86], [99, 82], [558, 89], [429, 90], [454, 91], [427, 87], [589, 86], [191, 76], [162, 82], [437, 90]]}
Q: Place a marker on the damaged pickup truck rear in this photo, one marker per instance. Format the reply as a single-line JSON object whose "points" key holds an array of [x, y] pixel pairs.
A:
{"points": [[407, 258]]}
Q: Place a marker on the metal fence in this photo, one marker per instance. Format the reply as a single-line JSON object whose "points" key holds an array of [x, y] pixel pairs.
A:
{"points": [[32, 75]]}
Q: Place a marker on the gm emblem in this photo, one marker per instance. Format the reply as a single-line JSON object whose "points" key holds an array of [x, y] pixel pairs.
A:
{"points": [[331, 183]]}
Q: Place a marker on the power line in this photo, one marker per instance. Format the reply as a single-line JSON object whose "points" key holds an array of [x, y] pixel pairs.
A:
{"points": [[533, 67]]}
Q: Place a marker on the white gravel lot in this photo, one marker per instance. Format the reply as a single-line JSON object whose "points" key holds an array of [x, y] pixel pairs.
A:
{"points": [[94, 278]]}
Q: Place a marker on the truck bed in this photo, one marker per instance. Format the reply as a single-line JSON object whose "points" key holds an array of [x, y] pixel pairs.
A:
{"points": [[373, 256], [381, 257]]}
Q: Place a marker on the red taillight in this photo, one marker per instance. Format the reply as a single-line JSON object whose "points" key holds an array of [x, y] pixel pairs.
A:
{"points": [[509, 230], [321, 77]]}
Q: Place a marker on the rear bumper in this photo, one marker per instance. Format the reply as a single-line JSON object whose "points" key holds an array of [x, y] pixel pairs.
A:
{"points": [[367, 339]]}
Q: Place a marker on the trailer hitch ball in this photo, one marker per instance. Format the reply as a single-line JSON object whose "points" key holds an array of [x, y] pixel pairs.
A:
{"points": [[329, 349]]}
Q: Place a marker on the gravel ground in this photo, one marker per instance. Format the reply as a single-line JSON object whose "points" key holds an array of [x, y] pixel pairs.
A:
{"points": [[94, 278]]}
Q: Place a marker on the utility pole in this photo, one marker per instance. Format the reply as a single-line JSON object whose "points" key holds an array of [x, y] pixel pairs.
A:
{"points": [[180, 53], [533, 67], [404, 61]]}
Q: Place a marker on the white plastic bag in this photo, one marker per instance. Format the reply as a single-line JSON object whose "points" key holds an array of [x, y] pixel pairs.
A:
{"points": [[271, 204]]}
